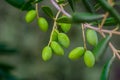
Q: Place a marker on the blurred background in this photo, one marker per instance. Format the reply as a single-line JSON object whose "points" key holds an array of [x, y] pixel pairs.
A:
{"points": [[21, 45]]}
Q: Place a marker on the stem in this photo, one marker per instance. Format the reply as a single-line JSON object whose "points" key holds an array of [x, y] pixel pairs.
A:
{"points": [[58, 8], [102, 30], [54, 26], [83, 33], [37, 11]]}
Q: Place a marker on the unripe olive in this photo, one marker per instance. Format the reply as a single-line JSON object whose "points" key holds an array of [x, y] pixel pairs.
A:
{"points": [[65, 27], [43, 24], [63, 39], [76, 53], [55, 35], [91, 36], [89, 59], [57, 48], [46, 53], [30, 16]]}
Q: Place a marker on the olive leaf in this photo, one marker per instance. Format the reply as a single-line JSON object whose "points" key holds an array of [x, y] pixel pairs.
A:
{"points": [[47, 10], [71, 3], [89, 6], [100, 48], [20, 4], [64, 19], [85, 17], [110, 9], [109, 21], [106, 70], [61, 1]]}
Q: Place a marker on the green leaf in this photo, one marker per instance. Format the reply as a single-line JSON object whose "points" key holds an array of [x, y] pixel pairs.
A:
{"points": [[36, 1], [71, 3], [47, 10], [106, 70], [110, 9], [4, 49], [109, 22], [20, 4], [61, 1], [85, 17], [89, 6], [6, 67], [101, 47], [64, 19]]}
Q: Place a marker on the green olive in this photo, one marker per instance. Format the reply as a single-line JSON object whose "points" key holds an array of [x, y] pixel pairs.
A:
{"points": [[91, 36], [30, 16], [65, 27], [57, 48], [43, 24], [63, 39], [89, 59], [76, 53], [55, 35], [46, 53]]}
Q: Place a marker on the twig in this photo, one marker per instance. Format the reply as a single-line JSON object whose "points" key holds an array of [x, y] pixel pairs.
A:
{"points": [[54, 26], [36, 7], [102, 30], [58, 8], [83, 33]]}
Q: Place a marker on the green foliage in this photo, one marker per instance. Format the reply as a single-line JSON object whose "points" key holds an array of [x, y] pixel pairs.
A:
{"points": [[101, 47], [106, 70], [85, 17], [47, 10], [111, 10], [71, 3]]}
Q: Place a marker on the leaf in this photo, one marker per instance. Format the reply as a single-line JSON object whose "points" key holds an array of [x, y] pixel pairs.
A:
{"points": [[101, 47], [36, 1], [6, 67], [47, 10], [85, 17], [4, 49], [61, 1], [64, 19], [89, 6], [71, 3], [109, 22], [110, 9], [20, 4], [106, 70]]}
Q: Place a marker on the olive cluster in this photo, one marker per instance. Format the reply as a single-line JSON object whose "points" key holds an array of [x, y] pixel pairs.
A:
{"points": [[60, 40]]}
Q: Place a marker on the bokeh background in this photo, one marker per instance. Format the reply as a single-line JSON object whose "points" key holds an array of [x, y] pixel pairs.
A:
{"points": [[28, 41]]}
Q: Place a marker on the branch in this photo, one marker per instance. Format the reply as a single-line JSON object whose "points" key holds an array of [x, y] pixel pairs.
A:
{"points": [[58, 8]]}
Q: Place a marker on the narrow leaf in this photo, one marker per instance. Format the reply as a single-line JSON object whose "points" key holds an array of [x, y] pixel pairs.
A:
{"points": [[89, 6], [109, 21], [71, 3], [64, 19], [47, 10], [20, 4], [110, 9], [106, 70], [101, 47], [61, 1], [85, 17]]}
